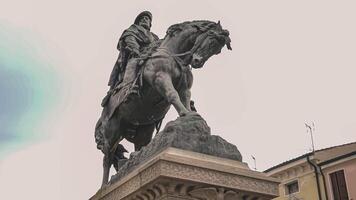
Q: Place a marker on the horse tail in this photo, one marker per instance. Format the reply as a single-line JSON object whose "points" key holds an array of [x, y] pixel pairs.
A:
{"points": [[158, 125], [99, 136]]}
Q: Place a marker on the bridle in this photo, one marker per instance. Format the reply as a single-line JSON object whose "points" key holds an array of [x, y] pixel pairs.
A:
{"points": [[199, 41], [190, 52]]}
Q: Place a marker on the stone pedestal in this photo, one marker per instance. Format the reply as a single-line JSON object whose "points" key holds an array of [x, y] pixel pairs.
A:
{"points": [[176, 174]]}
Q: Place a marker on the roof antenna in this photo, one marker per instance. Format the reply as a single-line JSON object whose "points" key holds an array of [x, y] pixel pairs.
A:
{"points": [[311, 129], [254, 161]]}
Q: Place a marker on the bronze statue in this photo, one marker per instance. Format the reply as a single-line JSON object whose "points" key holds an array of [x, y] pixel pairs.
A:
{"points": [[164, 79]]}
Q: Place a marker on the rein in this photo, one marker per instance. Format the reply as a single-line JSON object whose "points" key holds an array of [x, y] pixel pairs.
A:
{"points": [[199, 41], [189, 52], [177, 58]]}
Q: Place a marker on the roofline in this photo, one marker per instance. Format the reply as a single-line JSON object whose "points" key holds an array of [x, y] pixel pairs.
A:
{"points": [[288, 162], [305, 155], [337, 158]]}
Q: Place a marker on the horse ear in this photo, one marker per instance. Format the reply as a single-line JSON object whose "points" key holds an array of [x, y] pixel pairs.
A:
{"points": [[219, 25], [228, 42], [228, 45]]}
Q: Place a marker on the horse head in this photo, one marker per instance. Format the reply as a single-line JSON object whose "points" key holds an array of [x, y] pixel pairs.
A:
{"points": [[209, 43]]}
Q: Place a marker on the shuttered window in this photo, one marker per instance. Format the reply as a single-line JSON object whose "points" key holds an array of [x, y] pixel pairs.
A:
{"points": [[338, 185], [292, 187]]}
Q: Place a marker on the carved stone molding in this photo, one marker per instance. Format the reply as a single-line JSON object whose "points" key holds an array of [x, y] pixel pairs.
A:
{"points": [[178, 189], [223, 179], [212, 193], [178, 174]]}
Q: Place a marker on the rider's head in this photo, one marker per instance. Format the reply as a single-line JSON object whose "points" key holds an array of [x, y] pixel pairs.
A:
{"points": [[144, 19]]}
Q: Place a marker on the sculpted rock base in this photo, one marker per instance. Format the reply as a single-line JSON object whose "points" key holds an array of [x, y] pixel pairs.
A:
{"points": [[185, 161], [189, 133]]}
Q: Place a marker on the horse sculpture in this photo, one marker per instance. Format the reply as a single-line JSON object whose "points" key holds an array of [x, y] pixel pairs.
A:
{"points": [[165, 80]]}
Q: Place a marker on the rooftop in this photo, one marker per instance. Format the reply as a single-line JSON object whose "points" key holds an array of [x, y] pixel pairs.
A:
{"points": [[324, 156]]}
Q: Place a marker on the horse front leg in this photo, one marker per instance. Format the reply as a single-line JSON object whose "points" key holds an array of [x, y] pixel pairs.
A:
{"points": [[185, 96], [163, 84]]}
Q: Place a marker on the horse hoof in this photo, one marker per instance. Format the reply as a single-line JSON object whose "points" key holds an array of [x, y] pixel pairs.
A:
{"points": [[103, 186], [183, 114], [133, 154]]}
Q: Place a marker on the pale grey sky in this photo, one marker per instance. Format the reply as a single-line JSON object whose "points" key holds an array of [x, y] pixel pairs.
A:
{"points": [[292, 62]]}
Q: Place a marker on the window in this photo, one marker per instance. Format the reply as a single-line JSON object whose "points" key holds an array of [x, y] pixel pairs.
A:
{"points": [[338, 185], [292, 187]]}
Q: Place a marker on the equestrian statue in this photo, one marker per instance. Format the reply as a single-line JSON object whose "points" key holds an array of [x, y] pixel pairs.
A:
{"points": [[150, 76]]}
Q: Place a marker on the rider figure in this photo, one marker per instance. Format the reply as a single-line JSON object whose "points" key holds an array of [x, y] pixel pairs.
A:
{"points": [[131, 45]]}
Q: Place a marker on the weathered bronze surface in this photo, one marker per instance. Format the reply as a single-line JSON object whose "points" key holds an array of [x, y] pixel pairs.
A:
{"points": [[157, 75]]}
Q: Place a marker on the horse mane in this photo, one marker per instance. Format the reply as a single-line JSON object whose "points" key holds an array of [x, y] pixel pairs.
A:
{"points": [[202, 25], [199, 24]]}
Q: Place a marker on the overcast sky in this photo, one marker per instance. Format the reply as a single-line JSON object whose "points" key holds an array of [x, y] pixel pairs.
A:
{"points": [[292, 62]]}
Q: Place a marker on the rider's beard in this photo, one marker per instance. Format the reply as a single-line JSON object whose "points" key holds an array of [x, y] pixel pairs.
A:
{"points": [[145, 25]]}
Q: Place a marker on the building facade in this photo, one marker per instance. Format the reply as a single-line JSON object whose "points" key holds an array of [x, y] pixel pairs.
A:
{"points": [[326, 174]]}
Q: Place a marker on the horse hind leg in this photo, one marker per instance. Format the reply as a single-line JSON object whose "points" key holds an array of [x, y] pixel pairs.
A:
{"points": [[116, 159], [106, 169], [103, 146], [110, 132], [143, 136], [107, 161]]}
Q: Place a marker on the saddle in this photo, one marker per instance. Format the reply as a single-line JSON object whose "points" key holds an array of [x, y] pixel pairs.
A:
{"points": [[134, 87]]}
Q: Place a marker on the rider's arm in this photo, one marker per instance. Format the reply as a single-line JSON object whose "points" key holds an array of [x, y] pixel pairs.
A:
{"points": [[132, 46]]}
